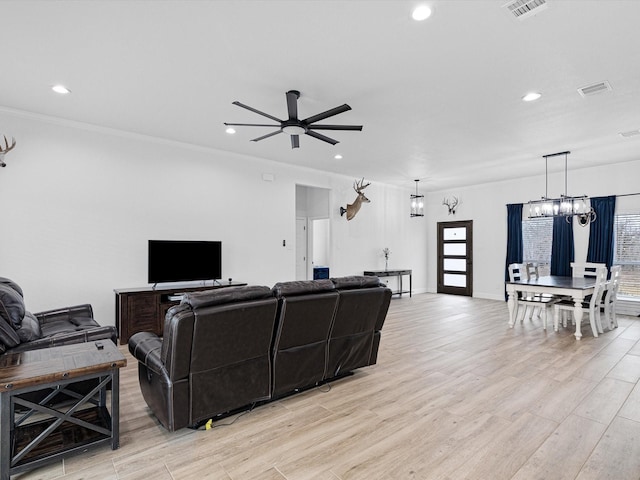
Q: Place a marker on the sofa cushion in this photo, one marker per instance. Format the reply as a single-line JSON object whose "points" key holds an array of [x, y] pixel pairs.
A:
{"points": [[221, 296], [12, 284], [356, 281], [30, 328], [302, 287], [11, 305], [8, 336]]}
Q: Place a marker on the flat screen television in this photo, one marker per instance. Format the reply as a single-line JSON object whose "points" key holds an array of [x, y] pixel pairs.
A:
{"points": [[184, 260]]}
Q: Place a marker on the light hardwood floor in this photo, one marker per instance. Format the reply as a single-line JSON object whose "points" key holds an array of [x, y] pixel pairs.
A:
{"points": [[456, 394]]}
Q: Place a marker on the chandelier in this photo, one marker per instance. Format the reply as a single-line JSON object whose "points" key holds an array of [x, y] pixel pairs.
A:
{"points": [[566, 205]]}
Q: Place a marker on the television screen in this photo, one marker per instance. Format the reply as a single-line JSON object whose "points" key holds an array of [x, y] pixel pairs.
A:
{"points": [[180, 261]]}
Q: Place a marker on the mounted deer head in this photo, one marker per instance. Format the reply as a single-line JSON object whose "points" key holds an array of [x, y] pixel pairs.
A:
{"points": [[352, 208], [451, 205], [5, 149]]}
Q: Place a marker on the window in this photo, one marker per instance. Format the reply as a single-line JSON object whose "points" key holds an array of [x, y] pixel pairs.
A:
{"points": [[627, 253], [537, 236]]}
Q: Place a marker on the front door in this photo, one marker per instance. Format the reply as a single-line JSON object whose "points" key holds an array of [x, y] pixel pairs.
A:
{"points": [[455, 257]]}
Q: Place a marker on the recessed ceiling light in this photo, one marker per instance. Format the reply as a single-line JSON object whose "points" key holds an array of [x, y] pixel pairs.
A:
{"points": [[230, 130], [530, 97], [338, 157], [421, 12], [60, 89]]}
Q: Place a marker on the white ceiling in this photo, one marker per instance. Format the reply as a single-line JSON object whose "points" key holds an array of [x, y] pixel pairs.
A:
{"points": [[439, 100]]}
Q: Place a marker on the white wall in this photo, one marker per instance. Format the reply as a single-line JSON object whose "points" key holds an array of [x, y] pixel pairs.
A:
{"points": [[486, 206], [79, 204]]}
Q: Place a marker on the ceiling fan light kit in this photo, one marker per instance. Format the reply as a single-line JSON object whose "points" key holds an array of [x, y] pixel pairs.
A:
{"points": [[295, 127]]}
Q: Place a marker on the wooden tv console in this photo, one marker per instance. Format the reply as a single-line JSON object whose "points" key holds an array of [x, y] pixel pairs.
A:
{"points": [[143, 309]]}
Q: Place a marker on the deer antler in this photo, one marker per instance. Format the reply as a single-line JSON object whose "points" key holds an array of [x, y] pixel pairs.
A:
{"points": [[6, 149], [6, 145], [358, 187], [451, 205]]}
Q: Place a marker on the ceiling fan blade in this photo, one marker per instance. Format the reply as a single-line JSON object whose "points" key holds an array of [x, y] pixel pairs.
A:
{"points": [[327, 114], [319, 136], [266, 136], [250, 125], [292, 104], [295, 141], [251, 109], [336, 127]]}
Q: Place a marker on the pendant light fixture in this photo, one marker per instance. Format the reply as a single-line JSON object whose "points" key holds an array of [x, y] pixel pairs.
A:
{"points": [[566, 206], [417, 203]]}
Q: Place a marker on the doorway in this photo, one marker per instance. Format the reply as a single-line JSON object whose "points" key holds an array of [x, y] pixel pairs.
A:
{"points": [[312, 230], [455, 258]]}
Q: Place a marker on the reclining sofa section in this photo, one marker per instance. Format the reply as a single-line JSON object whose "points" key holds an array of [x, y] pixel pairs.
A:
{"points": [[224, 350]]}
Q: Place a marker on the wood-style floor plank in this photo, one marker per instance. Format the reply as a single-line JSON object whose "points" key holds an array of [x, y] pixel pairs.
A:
{"points": [[456, 395]]}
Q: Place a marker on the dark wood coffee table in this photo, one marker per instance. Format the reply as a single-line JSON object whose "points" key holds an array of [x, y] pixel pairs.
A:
{"points": [[33, 434]]}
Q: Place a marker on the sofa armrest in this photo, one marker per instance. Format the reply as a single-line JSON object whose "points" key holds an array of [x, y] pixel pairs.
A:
{"points": [[146, 347], [65, 313], [70, 338]]}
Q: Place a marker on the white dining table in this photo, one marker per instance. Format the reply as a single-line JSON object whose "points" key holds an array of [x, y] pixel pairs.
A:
{"points": [[576, 287]]}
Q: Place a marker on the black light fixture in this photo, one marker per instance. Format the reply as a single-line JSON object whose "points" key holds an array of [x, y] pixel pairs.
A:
{"points": [[417, 203], [566, 205]]}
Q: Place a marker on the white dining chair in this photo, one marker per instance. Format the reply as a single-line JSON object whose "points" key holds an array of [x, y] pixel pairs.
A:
{"points": [[609, 298], [533, 272], [586, 269], [531, 303], [590, 305]]}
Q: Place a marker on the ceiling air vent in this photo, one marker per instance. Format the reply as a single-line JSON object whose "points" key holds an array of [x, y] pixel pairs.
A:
{"points": [[522, 9], [632, 133], [594, 89]]}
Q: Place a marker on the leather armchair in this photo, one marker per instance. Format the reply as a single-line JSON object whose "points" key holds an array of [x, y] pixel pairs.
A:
{"points": [[21, 330]]}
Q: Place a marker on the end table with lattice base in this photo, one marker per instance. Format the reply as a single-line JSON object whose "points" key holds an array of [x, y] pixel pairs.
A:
{"points": [[34, 434]]}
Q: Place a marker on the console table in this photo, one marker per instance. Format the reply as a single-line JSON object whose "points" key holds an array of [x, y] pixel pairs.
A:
{"points": [[394, 273], [27, 440], [143, 309]]}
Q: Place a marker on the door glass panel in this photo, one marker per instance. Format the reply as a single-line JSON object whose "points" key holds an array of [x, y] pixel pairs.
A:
{"points": [[455, 264], [455, 280], [459, 233], [455, 249]]}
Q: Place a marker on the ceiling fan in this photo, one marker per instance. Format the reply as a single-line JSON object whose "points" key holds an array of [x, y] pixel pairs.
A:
{"points": [[296, 127]]}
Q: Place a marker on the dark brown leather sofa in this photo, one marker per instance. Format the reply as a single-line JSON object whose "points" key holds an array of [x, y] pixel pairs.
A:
{"points": [[225, 350], [21, 330]]}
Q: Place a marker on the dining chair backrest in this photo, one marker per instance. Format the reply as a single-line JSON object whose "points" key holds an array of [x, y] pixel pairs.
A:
{"points": [[517, 272], [585, 269], [614, 280], [532, 270], [600, 274], [610, 297]]}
